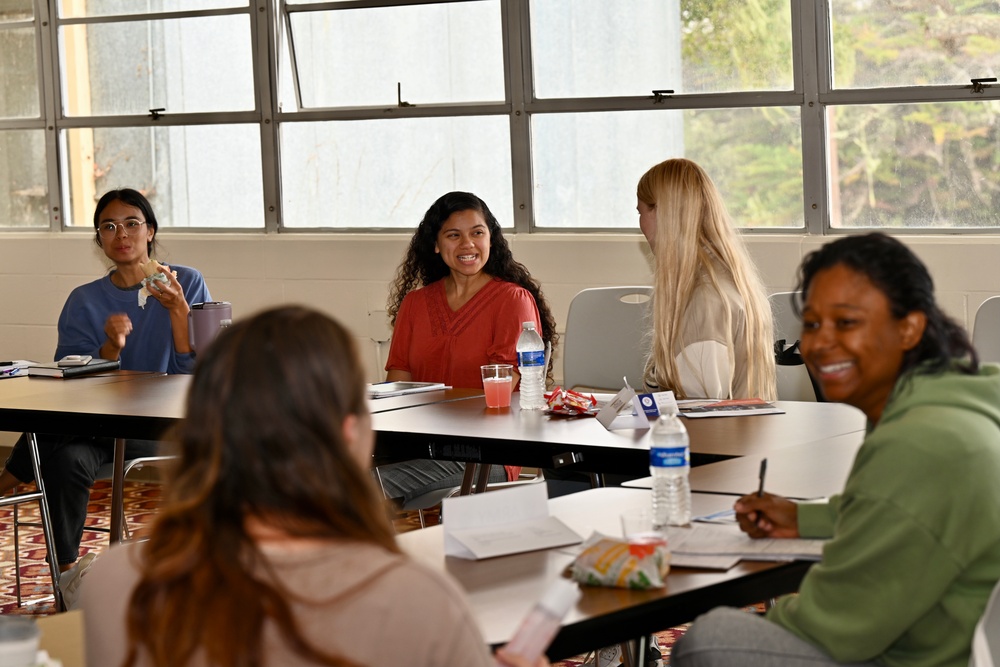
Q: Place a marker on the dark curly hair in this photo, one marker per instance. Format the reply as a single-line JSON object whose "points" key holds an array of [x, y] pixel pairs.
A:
{"points": [[422, 266], [907, 284]]}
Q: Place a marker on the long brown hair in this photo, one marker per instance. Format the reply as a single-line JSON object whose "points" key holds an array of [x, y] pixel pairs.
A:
{"points": [[263, 440]]}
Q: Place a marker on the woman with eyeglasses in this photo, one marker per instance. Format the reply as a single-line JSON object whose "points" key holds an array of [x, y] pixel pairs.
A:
{"points": [[106, 319]]}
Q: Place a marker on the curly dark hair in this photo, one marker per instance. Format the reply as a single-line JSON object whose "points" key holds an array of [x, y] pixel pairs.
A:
{"points": [[422, 266], [907, 284]]}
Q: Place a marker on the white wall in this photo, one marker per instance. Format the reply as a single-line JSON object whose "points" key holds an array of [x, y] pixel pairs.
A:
{"points": [[348, 275]]}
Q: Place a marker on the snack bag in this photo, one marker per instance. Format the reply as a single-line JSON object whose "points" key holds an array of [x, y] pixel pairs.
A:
{"points": [[568, 402], [614, 562]]}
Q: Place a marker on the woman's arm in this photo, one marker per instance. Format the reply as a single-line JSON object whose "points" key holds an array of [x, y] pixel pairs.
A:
{"points": [[171, 296]]}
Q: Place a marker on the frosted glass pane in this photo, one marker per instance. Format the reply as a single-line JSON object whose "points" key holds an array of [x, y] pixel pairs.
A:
{"points": [[195, 176], [386, 174], [586, 166]]}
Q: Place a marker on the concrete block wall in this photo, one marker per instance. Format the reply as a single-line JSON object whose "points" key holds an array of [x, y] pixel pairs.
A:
{"points": [[347, 275]]}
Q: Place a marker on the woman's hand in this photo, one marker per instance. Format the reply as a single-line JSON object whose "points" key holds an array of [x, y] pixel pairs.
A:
{"points": [[767, 516], [117, 328], [505, 659], [170, 294]]}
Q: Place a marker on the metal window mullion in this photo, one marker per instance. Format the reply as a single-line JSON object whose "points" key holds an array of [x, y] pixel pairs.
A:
{"points": [[264, 52], [517, 78], [909, 95], [49, 84], [164, 120], [698, 101], [393, 112], [812, 51], [338, 5], [149, 16]]}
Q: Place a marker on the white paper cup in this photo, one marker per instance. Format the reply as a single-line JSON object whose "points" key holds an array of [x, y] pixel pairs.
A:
{"points": [[18, 641]]}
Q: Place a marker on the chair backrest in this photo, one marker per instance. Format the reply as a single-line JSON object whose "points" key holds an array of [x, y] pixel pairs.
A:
{"points": [[793, 381], [986, 638], [986, 331], [786, 323], [607, 337]]}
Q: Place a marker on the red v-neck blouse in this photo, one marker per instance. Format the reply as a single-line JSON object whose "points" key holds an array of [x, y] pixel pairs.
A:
{"points": [[436, 344]]}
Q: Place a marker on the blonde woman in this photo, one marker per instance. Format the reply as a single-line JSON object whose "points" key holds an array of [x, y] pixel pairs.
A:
{"points": [[712, 333]]}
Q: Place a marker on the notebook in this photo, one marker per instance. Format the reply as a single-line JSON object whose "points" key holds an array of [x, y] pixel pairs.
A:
{"points": [[65, 372], [385, 389]]}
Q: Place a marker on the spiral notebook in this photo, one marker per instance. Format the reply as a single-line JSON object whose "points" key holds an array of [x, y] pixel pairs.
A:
{"points": [[386, 389]]}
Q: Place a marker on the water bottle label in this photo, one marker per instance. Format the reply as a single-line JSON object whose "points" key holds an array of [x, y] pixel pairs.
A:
{"points": [[535, 358], [669, 457]]}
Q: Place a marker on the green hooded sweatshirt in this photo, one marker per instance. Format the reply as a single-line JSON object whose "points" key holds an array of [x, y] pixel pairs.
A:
{"points": [[915, 536]]}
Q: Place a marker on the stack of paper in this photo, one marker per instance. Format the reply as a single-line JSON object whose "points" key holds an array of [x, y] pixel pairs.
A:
{"points": [[709, 539]]}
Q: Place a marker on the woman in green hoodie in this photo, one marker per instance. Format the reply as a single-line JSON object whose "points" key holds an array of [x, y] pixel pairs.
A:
{"points": [[914, 538]]}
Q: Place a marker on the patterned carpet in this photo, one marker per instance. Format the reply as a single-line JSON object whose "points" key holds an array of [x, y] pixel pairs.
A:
{"points": [[141, 501]]}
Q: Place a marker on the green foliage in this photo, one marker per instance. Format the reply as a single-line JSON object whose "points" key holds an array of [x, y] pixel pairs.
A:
{"points": [[892, 165]]}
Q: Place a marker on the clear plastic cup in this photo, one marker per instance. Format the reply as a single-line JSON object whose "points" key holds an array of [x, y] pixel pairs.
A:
{"points": [[498, 382], [18, 641]]}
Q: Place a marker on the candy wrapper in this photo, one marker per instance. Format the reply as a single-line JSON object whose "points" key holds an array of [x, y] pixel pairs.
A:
{"points": [[153, 271], [570, 403], [614, 562]]}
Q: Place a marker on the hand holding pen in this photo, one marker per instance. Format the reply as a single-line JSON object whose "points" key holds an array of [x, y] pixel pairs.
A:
{"points": [[762, 514]]}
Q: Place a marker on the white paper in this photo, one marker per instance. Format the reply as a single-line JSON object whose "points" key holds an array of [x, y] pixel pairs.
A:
{"points": [[617, 414], [499, 523], [712, 539]]}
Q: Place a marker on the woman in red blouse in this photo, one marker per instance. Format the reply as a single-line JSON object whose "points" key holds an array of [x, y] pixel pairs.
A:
{"points": [[458, 301]]}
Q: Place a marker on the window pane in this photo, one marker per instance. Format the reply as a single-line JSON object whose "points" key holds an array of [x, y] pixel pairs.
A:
{"points": [[915, 165], [919, 43], [436, 53], [18, 74], [24, 198], [16, 10], [386, 174], [78, 8], [182, 65], [195, 176], [593, 48], [586, 166]]}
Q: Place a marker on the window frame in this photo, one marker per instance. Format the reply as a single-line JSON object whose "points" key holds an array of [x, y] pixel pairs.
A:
{"points": [[812, 92]]}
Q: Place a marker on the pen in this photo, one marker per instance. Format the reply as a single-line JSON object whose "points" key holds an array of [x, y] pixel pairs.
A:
{"points": [[763, 472], [6, 363]]}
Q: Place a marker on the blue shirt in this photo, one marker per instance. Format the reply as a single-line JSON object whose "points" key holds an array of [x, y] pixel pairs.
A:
{"points": [[150, 346]]}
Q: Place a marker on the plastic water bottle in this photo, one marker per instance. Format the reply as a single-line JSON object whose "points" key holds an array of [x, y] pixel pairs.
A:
{"points": [[542, 623], [531, 366], [669, 464]]}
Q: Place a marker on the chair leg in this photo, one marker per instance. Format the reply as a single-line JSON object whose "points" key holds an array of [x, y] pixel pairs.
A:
{"points": [[17, 556], [43, 510]]}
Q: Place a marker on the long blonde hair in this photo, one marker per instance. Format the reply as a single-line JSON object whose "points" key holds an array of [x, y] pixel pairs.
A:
{"points": [[695, 237]]}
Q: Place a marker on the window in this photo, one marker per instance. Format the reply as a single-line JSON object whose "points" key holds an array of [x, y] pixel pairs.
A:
{"points": [[160, 97], [926, 157], [299, 115], [23, 196]]}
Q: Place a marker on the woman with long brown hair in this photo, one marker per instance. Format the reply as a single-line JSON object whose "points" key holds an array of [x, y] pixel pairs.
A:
{"points": [[273, 547]]}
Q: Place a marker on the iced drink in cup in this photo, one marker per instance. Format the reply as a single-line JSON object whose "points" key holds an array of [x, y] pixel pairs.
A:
{"points": [[498, 381], [637, 529]]}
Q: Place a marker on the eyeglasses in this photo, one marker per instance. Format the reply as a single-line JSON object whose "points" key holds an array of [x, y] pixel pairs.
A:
{"points": [[109, 230]]}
